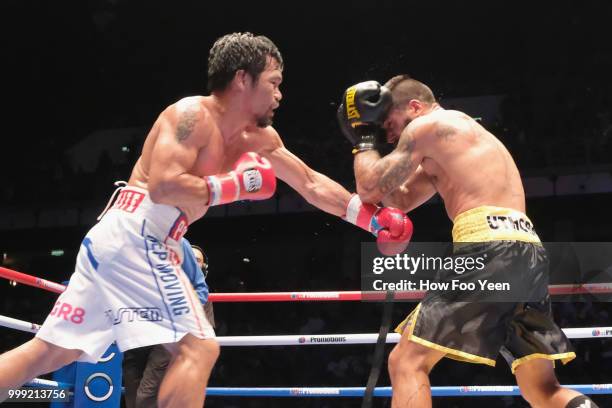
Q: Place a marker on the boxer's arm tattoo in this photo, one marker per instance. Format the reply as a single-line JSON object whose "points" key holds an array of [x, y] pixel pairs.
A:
{"points": [[186, 123], [377, 177], [399, 166]]}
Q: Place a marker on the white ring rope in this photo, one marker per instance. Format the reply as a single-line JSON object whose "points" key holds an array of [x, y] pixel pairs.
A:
{"points": [[312, 339]]}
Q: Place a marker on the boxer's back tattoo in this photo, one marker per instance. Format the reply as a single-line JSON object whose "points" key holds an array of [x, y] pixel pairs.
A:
{"points": [[186, 123]]}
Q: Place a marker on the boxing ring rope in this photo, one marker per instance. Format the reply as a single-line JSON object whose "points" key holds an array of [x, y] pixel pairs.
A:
{"points": [[557, 290], [31, 280], [444, 391], [315, 339], [325, 339], [18, 324]]}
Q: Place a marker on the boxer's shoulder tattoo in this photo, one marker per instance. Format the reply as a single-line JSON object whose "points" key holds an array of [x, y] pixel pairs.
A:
{"points": [[445, 131], [186, 122]]}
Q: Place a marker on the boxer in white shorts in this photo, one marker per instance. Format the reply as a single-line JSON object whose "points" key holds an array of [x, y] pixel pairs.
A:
{"points": [[142, 297], [201, 151]]}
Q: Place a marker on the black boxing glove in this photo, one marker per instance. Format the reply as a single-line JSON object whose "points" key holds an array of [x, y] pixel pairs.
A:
{"points": [[362, 112]]}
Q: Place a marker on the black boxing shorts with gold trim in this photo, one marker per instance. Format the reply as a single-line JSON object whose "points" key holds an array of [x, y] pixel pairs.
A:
{"points": [[474, 330]]}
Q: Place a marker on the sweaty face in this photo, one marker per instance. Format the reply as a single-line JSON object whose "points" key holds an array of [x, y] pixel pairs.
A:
{"points": [[267, 94]]}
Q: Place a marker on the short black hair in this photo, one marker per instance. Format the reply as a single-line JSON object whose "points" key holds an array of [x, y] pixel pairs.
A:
{"points": [[237, 51], [202, 251], [404, 88]]}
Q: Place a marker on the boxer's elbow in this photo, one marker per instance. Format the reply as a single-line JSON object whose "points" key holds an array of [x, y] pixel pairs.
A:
{"points": [[369, 194], [399, 204], [159, 190], [368, 181], [369, 197]]}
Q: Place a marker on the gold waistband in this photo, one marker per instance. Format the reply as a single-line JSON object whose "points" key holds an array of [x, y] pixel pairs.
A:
{"points": [[488, 223]]}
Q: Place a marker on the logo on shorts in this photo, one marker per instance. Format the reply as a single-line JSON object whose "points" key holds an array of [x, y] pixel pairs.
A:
{"points": [[252, 180], [128, 200], [68, 312], [510, 223], [162, 260], [179, 228], [140, 314]]}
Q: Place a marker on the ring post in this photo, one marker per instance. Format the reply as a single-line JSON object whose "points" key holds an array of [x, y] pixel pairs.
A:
{"points": [[95, 385]]}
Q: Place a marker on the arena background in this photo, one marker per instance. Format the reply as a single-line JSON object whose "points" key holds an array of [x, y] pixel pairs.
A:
{"points": [[84, 80]]}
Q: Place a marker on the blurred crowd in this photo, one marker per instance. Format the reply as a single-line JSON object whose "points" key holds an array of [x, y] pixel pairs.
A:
{"points": [[546, 121]]}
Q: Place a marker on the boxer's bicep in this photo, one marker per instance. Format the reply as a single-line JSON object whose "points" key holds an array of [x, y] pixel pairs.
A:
{"points": [[171, 157], [181, 136]]}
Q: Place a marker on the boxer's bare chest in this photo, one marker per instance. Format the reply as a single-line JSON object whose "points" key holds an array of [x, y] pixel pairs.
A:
{"points": [[219, 156]]}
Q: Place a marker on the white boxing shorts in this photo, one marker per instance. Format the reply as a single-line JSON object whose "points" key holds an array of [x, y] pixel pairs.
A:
{"points": [[128, 285]]}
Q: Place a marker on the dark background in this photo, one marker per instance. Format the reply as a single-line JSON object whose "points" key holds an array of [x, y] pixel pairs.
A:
{"points": [[75, 67]]}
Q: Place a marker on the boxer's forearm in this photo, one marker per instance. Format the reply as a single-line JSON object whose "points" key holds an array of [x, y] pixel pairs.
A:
{"points": [[368, 175], [325, 194], [179, 191], [376, 177], [316, 188]]}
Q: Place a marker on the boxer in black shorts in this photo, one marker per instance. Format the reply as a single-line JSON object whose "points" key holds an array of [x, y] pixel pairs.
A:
{"points": [[449, 153]]}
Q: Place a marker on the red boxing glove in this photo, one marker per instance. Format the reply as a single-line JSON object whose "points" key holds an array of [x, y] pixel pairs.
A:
{"points": [[392, 228], [395, 232], [252, 179]]}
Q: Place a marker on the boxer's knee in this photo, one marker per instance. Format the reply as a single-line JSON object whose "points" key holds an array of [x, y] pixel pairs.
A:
{"points": [[408, 358], [200, 352], [210, 350], [537, 381], [395, 361]]}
